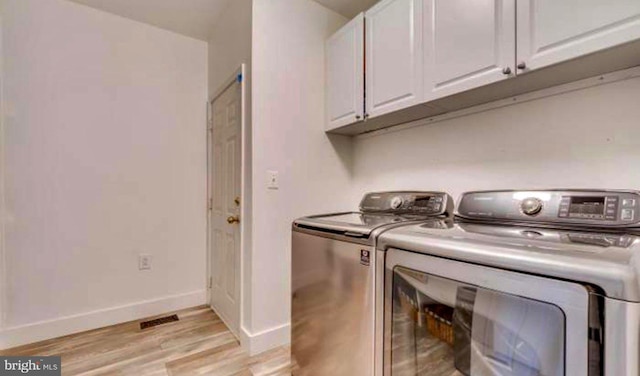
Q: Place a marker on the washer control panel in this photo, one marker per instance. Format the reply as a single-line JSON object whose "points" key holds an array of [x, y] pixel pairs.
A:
{"points": [[590, 208], [405, 202]]}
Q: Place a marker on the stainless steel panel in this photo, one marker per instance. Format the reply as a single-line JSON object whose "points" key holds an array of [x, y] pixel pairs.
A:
{"points": [[621, 338], [615, 268], [355, 223], [332, 307], [552, 207], [572, 299], [399, 202], [571, 239], [379, 313], [323, 223]]}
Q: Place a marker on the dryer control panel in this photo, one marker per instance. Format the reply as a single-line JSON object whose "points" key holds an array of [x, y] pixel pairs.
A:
{"points": [[591, 208], [408, 202]]}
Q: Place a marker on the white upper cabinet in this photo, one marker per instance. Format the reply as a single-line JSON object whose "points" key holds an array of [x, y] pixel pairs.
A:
{"points": [[417, 55], [553, 31], [393, 56], [345, 75], [467, 44]]}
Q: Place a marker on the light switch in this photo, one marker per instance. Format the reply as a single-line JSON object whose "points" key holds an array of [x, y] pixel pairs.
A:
{"points": [[272, 180]]}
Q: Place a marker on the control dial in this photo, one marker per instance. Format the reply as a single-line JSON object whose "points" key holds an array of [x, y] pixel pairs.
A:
{"points": [[396, 202], [531, 206]]}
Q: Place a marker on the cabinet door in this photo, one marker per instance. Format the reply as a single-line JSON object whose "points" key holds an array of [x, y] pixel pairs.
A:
{"points": [[467, 44], [393, 56], [552, 31], [345, 74]]}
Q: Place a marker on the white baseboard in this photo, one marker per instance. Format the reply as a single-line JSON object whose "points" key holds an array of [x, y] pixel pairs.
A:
{"points": [[39, 331], [256, 343]]}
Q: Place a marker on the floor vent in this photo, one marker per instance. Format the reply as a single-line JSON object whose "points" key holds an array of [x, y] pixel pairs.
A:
{"points": [[158, 321]]}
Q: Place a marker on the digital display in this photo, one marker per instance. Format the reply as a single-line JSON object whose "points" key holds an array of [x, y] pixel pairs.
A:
{"points": [[427, 204], [587, 205], [422, 201]]}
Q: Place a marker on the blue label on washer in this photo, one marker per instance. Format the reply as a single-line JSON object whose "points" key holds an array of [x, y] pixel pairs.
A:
{"points": [[365, 257]]}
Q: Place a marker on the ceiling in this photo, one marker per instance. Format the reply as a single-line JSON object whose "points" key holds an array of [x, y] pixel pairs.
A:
{"points": [[194, 18], [348, 8]]}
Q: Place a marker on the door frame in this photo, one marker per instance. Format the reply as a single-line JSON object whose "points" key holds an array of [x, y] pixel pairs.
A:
{"points": [[238, 76], [3, 274]]}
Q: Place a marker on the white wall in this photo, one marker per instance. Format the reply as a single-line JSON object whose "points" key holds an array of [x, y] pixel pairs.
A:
{"points": [[230, 43], [288, 136], [583, 139], [104, 159]]}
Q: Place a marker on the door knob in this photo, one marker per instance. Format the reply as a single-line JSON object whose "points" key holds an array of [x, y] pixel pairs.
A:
{"points": [[233, 219]]}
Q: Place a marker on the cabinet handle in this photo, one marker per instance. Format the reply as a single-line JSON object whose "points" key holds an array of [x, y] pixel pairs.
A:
{"points": [[506, 71], [522, 66]]}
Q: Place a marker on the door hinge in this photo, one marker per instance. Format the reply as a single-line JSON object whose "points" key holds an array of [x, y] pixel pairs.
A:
{"points": [[210, 204], [210, 282]]}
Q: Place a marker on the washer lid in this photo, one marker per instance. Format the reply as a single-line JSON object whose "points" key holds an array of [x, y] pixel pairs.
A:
{"points": [[609, 261], [354, 224], [379, 209]]}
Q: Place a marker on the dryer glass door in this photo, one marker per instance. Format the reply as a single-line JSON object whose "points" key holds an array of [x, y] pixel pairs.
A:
{"points": [[445, 327]]}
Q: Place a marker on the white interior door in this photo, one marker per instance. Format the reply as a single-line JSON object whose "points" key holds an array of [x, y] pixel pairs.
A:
{"points": [[550, 31], [393, 49], [224, 231], [468, 44], [345, 74]]}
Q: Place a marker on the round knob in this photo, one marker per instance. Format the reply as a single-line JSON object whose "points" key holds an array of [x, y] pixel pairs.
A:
{"points": [[522, 66], [506, 71], [358, 117], [531, 206], [396, 202]]}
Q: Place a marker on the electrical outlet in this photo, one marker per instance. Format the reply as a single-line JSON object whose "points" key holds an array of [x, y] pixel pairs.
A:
{"points": [[144, 262], [272, 180]]}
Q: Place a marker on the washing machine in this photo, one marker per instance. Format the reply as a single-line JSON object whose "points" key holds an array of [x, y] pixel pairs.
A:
{"points": [[524, 283], [333, 279]]}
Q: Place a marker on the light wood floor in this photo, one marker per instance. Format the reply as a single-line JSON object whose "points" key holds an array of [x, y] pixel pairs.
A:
{"points": [[198, 344]]}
